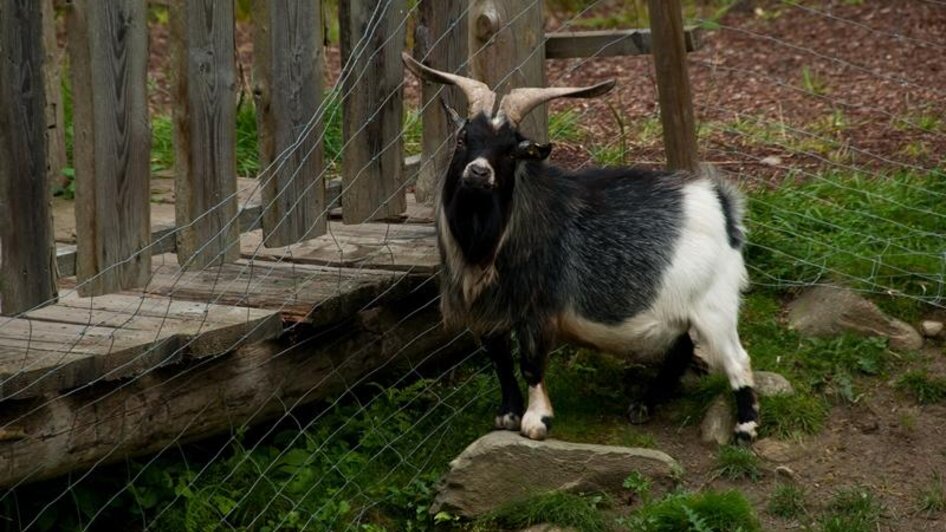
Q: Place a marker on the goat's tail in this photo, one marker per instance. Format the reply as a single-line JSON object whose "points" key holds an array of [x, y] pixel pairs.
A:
{"points": [[732, 202]]}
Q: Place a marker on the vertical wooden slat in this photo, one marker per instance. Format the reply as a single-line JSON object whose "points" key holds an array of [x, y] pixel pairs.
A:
{"points": [[372, 38], [27, 255], [507, 50], [56, 158], [204, 71], [441, 42], [673, 84], [108, 50], [287, 64]]}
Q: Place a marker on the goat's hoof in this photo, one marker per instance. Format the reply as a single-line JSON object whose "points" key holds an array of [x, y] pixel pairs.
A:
{"points": [[508, 421], [638, 413], [535, 426], [745, 433]]}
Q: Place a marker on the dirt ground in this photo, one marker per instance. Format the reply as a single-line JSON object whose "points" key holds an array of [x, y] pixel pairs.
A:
{"points": [[865, 67]]}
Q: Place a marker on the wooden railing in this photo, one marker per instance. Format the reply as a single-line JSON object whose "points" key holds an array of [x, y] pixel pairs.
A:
{"points": [[107, 48]]}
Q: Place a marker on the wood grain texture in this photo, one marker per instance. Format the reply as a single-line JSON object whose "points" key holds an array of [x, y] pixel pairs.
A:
{"points": [[609, 43], [27, 257], [372, 38], [204, 90], [507, 50], [108, 49], [300, 292], [184, 403], [288, 63], [56, 157], [395, 247], [673, 85], [440, 42]]}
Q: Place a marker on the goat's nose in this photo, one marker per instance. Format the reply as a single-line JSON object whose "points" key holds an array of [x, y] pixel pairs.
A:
{"points": [[479, 171]]}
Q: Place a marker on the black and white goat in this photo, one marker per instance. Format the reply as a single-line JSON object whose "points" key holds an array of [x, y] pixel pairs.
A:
{"points": [[625, 260]]}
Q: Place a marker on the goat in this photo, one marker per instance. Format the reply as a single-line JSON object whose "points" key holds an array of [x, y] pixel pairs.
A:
{"points": [[624, 260]]}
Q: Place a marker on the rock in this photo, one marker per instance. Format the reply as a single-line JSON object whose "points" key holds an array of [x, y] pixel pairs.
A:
{"points": [[931, 329], [503, 466], [718, 423], [777, 451], [831, 310], [772, 160], [785, 471], [768, 384]]}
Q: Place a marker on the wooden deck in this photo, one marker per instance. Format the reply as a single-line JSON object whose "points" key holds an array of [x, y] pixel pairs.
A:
{"points": [[213, 347]]}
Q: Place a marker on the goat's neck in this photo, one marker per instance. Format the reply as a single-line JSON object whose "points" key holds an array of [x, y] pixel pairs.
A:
{"points": [[478, 222]]}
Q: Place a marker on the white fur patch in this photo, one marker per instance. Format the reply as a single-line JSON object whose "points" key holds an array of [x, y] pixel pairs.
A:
{"points": [[533, 426], [471, 279], [749, 427], [481, 162], [508, 421]]}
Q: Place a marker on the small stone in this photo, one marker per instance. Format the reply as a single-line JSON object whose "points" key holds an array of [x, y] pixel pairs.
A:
{"points": [[826, 310], [503, 466], [719, 422], [768, 383], [932, 329], [772, 160], [776, 451], [785, 471]]}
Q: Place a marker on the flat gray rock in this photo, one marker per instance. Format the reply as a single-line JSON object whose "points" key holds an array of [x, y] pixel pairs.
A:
{"points": [[768, 383], [719, 422], [503, 466], [832, 310]]}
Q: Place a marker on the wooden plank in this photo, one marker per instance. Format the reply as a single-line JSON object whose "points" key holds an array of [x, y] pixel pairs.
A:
{"points": [[396, 247], [202, 44], [287, 64], [507, 51], [673, 85], [609, 43], [315, 294], [27, 253], [372, 38], [440, 42], [38, 357], [56, 157], [205, 329], [185, 403], [108, 49]]}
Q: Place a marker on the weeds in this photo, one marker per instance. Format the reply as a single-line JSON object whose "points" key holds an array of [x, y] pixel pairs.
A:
{"points": [[853, 509], [790, 416], [697, 512], [556, 508], [923, 388], [736, 463], [788, 502], [564, 126], [931, 498]]}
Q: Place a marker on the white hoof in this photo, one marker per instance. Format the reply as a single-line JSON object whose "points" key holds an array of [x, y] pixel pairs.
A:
{"points": [[535, 426], [508, 421]]}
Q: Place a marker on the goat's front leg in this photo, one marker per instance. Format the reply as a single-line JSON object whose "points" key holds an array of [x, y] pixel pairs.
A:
{"points": [[509, 416], [534, 346]]}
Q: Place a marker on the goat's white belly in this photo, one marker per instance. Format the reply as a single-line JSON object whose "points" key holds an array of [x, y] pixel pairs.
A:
{"points": [[644, 337]]}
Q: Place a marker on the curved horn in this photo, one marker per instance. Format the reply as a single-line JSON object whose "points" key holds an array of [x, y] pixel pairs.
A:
{"points": [[519, 102], [480, 98]]}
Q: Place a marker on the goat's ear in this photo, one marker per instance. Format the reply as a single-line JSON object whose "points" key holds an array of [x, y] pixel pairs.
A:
{"points": [[528, 149], [457, 120]]}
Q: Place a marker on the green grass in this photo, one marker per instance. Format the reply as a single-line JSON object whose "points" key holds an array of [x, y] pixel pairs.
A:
{"points": [[633, 13], [788, 502], [564, 126], [922, 387], [931, 498], [581, 512], [738, 463], [791, 416], [854, 509], [716, 511]]}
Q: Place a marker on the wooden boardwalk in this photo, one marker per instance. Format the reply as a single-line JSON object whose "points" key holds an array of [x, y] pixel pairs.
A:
{"points": [[198, 350]]}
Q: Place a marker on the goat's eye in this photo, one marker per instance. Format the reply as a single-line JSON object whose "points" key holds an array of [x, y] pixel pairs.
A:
{"points": [[461, 139]]}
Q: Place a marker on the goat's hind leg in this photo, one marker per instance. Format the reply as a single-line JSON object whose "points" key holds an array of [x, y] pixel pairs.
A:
{"points": [[677, 360], [509, 416]]}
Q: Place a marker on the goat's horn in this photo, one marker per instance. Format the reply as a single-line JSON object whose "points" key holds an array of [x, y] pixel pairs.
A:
{"points": [[477, 93], [520, 102]]}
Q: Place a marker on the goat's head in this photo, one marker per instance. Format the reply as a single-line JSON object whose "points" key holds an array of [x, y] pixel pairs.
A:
{"points": [[489, 144]]}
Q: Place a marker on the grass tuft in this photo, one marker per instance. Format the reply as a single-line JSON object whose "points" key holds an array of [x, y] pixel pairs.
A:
{"points": [[555, 508], [791, 416], [787, 502], [716, 511], [931, 498], [922, 387], [737, 463], [853, 509], [564, 126]]}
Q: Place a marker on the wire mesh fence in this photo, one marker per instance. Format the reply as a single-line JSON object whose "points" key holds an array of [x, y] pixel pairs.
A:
{"points": [[312, 386]]}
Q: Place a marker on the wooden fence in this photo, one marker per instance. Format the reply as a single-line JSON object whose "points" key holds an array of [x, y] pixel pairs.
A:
{"points": [[107, 48]]}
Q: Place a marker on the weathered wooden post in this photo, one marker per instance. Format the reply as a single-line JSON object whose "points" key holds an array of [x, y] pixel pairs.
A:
{"points": [[108, 50], [372, 35], [204, 70], [287, 65], [27, 252], [441, 42], [56, 158], [507, 50], [673, 84]]}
